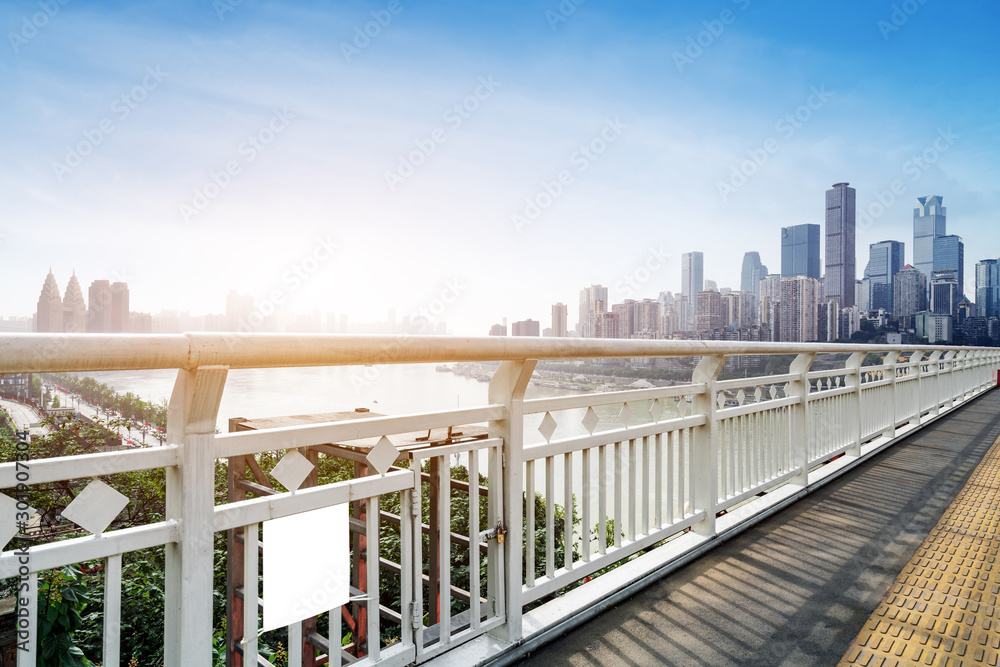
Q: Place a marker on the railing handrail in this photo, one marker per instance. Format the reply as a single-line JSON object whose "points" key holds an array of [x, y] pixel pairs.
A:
{"points": [[26, 353]]}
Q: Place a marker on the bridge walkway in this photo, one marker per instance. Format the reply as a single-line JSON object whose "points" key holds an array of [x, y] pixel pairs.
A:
{"points": [[800, 587]]}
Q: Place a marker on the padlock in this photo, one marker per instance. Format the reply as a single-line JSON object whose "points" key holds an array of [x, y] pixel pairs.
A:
{"points": [[499, 538], [500, 532]]}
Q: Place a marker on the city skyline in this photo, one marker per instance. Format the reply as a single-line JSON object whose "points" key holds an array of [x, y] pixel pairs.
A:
{"points": [[559, 149]]}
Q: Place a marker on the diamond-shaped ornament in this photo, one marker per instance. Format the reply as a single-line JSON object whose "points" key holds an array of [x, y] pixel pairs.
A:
{"points": [[9, 521], [292, 470], [625, 414], [382, 455], [757, 394], [741, 397], [590, 420], [785, 388], [95, 507], [773, 391], [548, 426], [656, 409], [721, 400]]}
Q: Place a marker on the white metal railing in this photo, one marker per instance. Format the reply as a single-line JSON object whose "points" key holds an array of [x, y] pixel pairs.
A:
{"points": [[682, 460]]}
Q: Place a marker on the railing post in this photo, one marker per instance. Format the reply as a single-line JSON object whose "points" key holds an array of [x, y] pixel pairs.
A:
{"points": [[799, 387], [853, 379], [191, 416], [704, 459], [916, 357], [507, 387], [892, 361], [934, 366]]}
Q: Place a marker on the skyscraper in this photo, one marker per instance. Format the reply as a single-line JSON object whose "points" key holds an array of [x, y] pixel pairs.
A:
{"points": [[885, 260], [753, 272], [710, 315], [945, 294], [840, 252], [800, 251], [527, 327], [909, 294], [559, 319], [988, 288], [593, 302], [949, 255], [74, 308], [49, 312], [929, 222], [692, 282]]}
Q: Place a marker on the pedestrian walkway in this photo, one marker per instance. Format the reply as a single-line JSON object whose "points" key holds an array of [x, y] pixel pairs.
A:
{"points": [[943, 607], [25, 417], [798, 588]]}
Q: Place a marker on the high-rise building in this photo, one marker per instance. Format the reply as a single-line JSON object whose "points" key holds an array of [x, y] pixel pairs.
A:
{"points": [[798, 310], [606, 325], [885, 260], [840, 253], [800, 251], [988, 288], [625, 315], [929, 222], [861, 294], [99, 308], [527, 327], [74, 308], [753, 272], [593, 302], [498, 330], [49, 312], [949, 255], [559, 319], [739, 309], [692, 282], [945, 294], [119, 308], [909, 294], [710, 316]]}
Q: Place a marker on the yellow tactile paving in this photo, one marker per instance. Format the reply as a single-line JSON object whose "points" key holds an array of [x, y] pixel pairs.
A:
{"points": [[943, 608]]}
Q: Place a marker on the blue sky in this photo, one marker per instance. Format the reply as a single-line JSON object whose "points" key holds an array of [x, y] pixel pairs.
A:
{"points": [[275, 149]]}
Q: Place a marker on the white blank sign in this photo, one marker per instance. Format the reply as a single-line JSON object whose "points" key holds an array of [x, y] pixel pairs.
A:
{"points": [[306, 565]]}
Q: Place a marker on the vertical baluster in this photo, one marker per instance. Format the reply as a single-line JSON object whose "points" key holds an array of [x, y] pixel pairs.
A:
{"points": [[658, 482], [444, 552], [529, 518], [474, 611], [617, 464], [112, 610], [671, 469], [586, 536], [602, 499], [647, 465], [417, 549], [336, 639], [405, 566], [294, 644], [723, 466], [251, 569], [550, 513], [568, 510], [632, 463], [682, 472], [371, 532]]}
